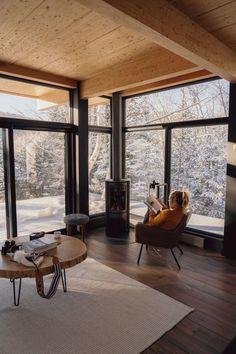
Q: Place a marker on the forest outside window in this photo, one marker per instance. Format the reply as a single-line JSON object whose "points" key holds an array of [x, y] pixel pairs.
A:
{"points": [[196, 155], [145, 156], [35, 189], [40, 180], [99, 170], [99, 117], [209, 99]]}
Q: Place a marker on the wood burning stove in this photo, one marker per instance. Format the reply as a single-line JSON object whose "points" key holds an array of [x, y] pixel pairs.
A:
{"points": [[117, 207]]}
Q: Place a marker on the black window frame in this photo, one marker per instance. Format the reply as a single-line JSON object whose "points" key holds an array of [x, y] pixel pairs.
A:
{"points": [[105, 130], [9, 124], [168, 127]]}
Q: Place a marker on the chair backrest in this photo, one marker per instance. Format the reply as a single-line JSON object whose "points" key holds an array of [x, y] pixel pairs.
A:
{"points": [[156, 236], [180, 228]]}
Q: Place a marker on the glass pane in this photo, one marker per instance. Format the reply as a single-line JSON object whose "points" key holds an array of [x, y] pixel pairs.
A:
{"points": [[40, 181], [199, 101], [29, 101], [198, 163], [3, 229], [144, 163], [99, 170], [99, 112]]}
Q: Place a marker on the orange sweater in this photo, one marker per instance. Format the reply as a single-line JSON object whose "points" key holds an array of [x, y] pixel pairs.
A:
{"points": [[167, 219]]}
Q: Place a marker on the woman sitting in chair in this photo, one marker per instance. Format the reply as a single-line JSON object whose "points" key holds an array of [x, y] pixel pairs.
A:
{"points": [[169, 218]]}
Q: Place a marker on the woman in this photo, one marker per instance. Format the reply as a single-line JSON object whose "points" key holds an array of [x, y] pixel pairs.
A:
{"points": [[169, 218]]}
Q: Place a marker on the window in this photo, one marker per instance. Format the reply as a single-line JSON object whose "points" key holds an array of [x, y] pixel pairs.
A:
{"points": [[40, 180], [196, 153], [198, 163], [193, 102], [144, 163], [38, 197], [99, 117], [99, 112], [99, 170]]}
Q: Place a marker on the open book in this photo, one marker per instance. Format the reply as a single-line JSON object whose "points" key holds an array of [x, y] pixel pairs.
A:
{"points": [[153, 204]]}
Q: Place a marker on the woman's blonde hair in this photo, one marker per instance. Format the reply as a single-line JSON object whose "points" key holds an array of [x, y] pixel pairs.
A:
{"points": [[181, 198]]}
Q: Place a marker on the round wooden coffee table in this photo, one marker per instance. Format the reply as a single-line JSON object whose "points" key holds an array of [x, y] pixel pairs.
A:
{"points": [[70, 251]]}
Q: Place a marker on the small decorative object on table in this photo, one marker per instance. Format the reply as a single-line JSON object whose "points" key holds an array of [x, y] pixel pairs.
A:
{"points": [[57, 235], [36, 235]]}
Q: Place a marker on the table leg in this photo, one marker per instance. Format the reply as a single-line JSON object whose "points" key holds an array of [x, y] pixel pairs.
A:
{"points": [[16, 298], [63, 280]]}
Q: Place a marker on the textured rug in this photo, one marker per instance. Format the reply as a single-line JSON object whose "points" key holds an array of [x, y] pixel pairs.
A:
{"points": [[103, 312]]}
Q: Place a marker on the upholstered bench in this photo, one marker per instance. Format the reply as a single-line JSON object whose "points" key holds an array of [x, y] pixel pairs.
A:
{"points": [[74, 220]]}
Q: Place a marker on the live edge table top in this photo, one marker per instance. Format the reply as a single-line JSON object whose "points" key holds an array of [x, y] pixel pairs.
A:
{"points": [[70, 251]]}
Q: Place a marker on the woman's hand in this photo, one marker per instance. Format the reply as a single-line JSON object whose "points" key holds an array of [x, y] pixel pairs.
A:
{"points": [[151, 213], [164, 206]]}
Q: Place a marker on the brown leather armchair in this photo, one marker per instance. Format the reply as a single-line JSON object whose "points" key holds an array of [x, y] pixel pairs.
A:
{"points": [[157, 237]]}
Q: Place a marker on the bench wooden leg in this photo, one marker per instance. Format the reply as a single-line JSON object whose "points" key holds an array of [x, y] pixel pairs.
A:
{"points": [[71, 230], [83, 232]]}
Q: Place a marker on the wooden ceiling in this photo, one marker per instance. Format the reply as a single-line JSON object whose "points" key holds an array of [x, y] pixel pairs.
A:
{"points": [[111, 45]]}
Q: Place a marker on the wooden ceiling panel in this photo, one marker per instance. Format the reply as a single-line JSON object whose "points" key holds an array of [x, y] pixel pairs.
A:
{"points": [[87, 62], [171, 29], [45, 22], [218, 18], [85, 39], [74, 38], [13, 12], [228, 36], [195, 8]]}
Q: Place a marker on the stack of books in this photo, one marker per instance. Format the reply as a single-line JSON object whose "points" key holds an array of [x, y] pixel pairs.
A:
{"points": [[40, 245]]}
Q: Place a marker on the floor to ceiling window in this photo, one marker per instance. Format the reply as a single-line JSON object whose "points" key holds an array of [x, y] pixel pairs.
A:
{"points": [[195, 117], [198, 164], [37, 115], [99, 152], [144, 163], [40, 180]]}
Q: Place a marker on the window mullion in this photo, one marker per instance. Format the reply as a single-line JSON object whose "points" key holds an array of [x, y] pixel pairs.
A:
{"points": [[9, 180]]}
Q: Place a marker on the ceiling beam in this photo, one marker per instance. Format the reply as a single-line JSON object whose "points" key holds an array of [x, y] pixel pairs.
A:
{"points": [[173, 81], [162, 23], [155, 65], [41, 76]]}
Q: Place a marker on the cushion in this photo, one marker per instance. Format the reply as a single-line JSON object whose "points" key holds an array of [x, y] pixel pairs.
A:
{"points": [[76, 219]]}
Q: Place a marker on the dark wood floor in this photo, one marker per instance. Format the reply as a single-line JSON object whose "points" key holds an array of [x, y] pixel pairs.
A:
{"points": [[207, 282]]}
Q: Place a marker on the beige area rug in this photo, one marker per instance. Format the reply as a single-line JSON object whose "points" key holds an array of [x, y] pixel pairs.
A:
{"points": [[103, 312]]}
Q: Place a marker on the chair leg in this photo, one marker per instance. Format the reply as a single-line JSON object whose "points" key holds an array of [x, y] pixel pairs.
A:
{"points": [[180, 249], [140, 252], [175, 258]]}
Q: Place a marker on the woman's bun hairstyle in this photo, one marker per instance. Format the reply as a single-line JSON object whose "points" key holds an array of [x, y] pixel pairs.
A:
{"points": [[181, 198]]}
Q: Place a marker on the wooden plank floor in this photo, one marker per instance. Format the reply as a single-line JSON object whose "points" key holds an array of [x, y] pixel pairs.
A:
{"points": [[207, 282]]}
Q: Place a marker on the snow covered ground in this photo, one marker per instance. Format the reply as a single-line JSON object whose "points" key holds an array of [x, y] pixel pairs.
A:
{"points": [[38, 214], [47, 213], [198, 222]]}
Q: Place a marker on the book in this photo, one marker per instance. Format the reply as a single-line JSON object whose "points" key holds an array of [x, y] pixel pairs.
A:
{"points": [[42, 244], [153, 204]]}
